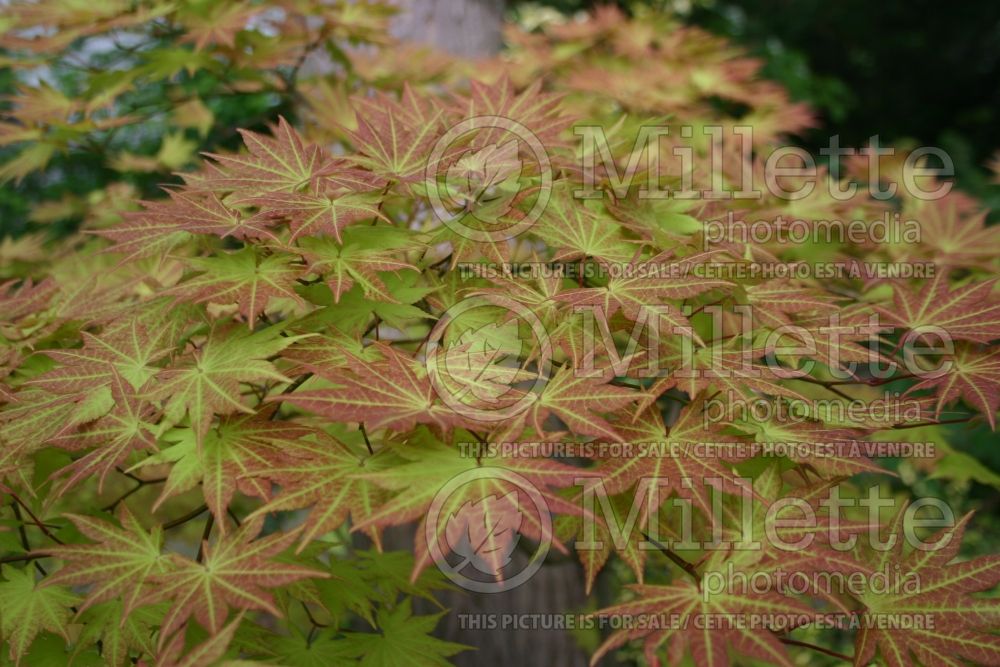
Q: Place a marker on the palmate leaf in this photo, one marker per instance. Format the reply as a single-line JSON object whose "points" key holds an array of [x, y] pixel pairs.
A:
{"points": [[194, 213], [130, 351], [973, 376], [120, 564], [326, 212], [127, 428], [394, 138], [393, 391], [642, 284], [283, 163], [578, 401], [431, 464], [364, 252], [122, 635], [207, 381], [27, 608], [593, 558], [707, 646], [966, 313], [402, 639], [206, 653], [576, 232], [228, 456], [961, 627], [236, 570], [250, 278], [322, 475], [697, 460]]}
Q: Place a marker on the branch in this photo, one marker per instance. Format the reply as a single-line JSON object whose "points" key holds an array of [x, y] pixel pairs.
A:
{"points": [[193, 514], [825, 651], [676, 560], [34, 519]]}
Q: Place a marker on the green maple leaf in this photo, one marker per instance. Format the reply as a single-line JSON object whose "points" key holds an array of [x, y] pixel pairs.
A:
{"points": [[119, 563], [227, 457], [363, 253], [122, 633], [250, 278], [207, 382], [402, 639], [432, 464], [27, 608], [578, 232]]}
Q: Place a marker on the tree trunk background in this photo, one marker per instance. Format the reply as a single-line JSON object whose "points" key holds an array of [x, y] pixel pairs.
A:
{"points": [[471, 28]]}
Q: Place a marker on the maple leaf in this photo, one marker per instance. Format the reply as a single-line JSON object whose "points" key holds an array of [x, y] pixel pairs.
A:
{"points": [[539, 112], [127, 428], [433, 464], [322, 475], [392, 391], [316, 213], [642, 284], [235, 571], [362, 254], [283, 163], [129, 351], [119, 565], [577, 400], [394, 137], [206, 382], [594, 558], [973, 375], [687, 435], [773, 301], [121, 634], [206, 653], [484, 533], [26, 608], [248, 277], [402, 639], [577, 232], [226, 459], [967, 313], [729, 366], [961, 622], [827, 450], [955, 233], [195, 213], [695, 607]]}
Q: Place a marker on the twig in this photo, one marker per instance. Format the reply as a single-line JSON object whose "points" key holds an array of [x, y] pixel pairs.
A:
{"points": [[368, 443], [826, 651], [24, 537], [205, 534], [193, 514], [676, 560], [38, 522]]}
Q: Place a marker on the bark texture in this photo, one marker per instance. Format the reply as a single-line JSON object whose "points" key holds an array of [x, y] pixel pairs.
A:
{"points": [[471, 28]]}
